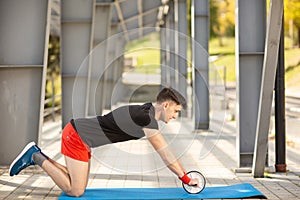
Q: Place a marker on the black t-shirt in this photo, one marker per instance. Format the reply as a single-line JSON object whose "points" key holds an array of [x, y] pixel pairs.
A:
{"points": [[122, 124]]}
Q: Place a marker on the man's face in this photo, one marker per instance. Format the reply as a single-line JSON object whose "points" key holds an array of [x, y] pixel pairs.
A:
{"points": [[171, 111]]}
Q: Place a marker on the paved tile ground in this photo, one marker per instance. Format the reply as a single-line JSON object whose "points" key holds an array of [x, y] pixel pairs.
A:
{"points": [[135, 164]]}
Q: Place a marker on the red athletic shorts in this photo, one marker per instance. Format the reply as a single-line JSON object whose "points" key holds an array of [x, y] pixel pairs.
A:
{"points": [[72, 145]]}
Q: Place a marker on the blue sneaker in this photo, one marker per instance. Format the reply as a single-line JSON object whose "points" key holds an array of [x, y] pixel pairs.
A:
{"points": [[24, 159]]}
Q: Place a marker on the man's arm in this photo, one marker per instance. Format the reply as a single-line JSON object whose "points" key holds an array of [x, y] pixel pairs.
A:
{"points": [[160, 145]]}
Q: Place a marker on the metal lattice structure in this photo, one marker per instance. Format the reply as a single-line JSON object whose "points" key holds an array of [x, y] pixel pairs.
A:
{"points": [[94, 32]]}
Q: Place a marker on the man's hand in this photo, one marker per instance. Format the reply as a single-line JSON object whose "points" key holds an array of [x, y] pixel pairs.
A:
{"points": [[194, 182]]}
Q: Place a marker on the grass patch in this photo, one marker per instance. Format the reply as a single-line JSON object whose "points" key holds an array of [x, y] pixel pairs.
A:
{"points": [[146, 57], [227, 56], [229, 62], [151, 40], [292, 75], [227, 48], [292, 57], [292, 64], [146, 51]]}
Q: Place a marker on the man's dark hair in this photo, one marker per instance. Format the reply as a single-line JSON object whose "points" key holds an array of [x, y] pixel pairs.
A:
{"points": [[171, 94]]}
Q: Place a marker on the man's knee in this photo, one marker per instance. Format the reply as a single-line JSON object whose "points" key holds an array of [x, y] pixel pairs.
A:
{"points": [[75, 192]]}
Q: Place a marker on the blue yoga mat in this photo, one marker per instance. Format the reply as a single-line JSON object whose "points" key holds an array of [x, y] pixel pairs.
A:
{"points": [[244, 190]]}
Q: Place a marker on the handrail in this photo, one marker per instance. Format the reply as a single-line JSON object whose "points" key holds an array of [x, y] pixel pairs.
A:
{"points": [[53, 109]]}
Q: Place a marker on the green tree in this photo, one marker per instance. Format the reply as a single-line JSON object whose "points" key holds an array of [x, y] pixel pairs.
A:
{"points": [[213, 17], [222, 18], [292, 17]]}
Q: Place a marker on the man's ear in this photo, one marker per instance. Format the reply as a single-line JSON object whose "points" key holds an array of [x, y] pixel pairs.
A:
{"points": [[165, 104]]}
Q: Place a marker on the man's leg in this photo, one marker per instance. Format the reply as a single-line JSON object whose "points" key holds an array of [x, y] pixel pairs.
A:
{"points": [[72, 183], [72, 179], [65, 169], [62, 167]]}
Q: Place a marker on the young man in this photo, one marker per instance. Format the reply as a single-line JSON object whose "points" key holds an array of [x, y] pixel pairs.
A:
{"points": [[122, 124]]}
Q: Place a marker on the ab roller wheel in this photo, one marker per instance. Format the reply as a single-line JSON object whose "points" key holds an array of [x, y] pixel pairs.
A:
{"points": [[194, 189]]}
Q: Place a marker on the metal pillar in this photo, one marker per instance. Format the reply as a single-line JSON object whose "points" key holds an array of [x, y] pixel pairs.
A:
{"points": [[101, 28], [267, 86], [163, 56], [118, 69], [109, 79], [176, 45], [24, 36], [76, 26], [182, 49], [200, 35], [250, 40], [167, 62], [280, 146], [171, 41]]}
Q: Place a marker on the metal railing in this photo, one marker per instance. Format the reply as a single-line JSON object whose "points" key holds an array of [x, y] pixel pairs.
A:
{"points": [[51, 111]]}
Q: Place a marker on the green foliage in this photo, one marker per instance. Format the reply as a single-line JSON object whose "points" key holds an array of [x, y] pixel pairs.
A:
{"points": [[53, 55], [222, 18], [189, 25], [292, 20], [213, 17], [57, 90], [292, 11], [53, 70]]}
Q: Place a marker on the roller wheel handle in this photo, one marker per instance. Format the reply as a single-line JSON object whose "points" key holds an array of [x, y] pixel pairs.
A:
{"points": [[194, 189]]}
